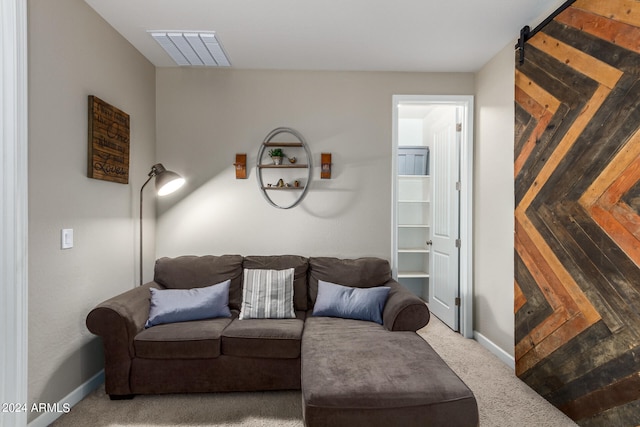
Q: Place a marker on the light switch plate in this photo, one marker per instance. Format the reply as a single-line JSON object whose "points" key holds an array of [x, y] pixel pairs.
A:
{"points": [[66, 238]]}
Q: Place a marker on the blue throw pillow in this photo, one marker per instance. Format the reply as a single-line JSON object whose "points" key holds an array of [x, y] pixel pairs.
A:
{"points": [[181, 305], [350, 303]]}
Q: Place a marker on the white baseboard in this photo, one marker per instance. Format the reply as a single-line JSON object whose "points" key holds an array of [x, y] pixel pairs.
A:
{"points": [[493, 348], [69, 401]]}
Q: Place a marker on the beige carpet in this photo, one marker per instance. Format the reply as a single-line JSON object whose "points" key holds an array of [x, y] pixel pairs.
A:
{"points": [[503, 399]]}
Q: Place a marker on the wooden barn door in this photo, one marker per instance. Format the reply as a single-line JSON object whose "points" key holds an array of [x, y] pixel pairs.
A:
{"points": [[577, 217]]}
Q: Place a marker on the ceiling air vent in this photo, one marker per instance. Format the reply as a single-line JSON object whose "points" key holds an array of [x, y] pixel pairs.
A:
{"points": [[192, 48]]}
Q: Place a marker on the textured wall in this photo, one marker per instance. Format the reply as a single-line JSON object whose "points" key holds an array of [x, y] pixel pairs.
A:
{"points": [[493, 202], [73, 53], [206, 116], [577, 191]]}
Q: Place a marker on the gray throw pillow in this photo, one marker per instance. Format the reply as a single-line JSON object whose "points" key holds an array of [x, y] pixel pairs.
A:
{"points": [[350, 303], [267, 294], [182, 305]]}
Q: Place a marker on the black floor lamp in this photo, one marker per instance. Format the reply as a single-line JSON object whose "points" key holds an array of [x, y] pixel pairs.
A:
{"points": [[166, 183]]}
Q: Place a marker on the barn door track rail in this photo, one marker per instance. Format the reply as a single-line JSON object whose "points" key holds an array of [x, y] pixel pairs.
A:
{"points": [[526, 32]]}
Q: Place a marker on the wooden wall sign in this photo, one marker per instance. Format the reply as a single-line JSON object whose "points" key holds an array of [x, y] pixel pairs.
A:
{"points": [[577, 216], [108, 142]]}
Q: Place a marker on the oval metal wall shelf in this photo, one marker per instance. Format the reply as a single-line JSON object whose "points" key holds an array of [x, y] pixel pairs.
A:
{"points": [[270, 143]]}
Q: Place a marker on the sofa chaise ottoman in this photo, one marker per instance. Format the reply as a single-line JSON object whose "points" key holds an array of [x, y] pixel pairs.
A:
{"points": [[351, 371], [360, 374]]}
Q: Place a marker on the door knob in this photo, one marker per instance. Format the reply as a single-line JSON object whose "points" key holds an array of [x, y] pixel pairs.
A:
{"points": [[429, 242]]}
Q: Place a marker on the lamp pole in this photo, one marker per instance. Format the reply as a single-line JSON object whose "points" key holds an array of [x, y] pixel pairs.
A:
{"points": [[151, 175], [166, 183]]}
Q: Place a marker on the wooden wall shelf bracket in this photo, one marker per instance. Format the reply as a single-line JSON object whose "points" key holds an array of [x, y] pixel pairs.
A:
{"points": [[241, 166], [325, 170]]}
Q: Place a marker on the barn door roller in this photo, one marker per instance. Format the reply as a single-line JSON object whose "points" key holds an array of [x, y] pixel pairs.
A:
{"points": [[526, 33]]}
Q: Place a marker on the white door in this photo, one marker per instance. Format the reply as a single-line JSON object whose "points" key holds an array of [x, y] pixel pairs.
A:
{"points": [[444, 269]]}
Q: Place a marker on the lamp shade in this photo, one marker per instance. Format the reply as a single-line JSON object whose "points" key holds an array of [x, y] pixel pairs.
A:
{"points": [[166, 181]]}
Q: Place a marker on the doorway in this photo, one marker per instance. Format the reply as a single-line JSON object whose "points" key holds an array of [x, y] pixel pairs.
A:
{"points": [[13, 198], [431, 210]]}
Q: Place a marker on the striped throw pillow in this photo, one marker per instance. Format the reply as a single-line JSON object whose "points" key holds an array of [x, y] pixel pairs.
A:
{"points": [[267, 294]]}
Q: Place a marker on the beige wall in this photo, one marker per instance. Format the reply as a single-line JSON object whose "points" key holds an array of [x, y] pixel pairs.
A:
{"points": [[73, 53], [493, 199], [206, 116]]}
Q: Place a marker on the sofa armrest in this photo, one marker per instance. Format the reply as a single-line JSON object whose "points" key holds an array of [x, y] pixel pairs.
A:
{"points": [[404, 311], [117, 321]]}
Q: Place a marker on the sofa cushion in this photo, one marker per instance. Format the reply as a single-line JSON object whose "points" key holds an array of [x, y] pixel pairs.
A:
{"points": [[186, 272], [267, 294], [360, 273], [264, 338], [281, 262], [350, 303], [397, 378], [181, 305], [199, 339]]}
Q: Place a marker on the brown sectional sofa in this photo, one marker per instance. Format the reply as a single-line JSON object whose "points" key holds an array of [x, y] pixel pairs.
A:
{"points": [[351, 372]]}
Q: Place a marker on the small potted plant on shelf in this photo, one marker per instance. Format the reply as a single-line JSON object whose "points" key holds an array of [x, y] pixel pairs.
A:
{"points": [[276, 155]]}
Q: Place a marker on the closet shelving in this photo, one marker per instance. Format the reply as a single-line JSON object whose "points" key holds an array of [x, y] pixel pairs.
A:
{"points": [[414, 206]]}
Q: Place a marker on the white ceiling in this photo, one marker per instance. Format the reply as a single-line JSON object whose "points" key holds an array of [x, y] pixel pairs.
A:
{"points": [[362, 35]]}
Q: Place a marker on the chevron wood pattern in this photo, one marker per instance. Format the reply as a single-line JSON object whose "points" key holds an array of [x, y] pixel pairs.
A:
{"points": [[577, 216]]}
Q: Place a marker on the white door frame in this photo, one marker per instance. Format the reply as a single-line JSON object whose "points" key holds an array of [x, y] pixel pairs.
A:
{"points": [[13, 216], [466, 196]]}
